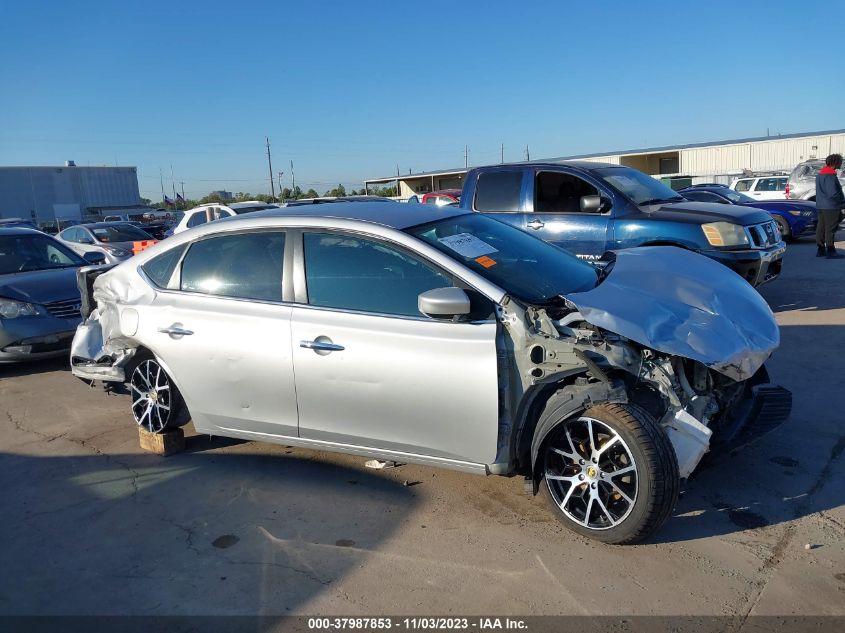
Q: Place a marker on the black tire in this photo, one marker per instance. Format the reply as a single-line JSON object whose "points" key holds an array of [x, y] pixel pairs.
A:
{"points": [[156, 403], [655, 488], [783, 225]]}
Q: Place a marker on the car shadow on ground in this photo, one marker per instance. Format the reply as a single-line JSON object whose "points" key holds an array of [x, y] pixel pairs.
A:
{"points": [[33, 367], [795, 471], [211, 533]]}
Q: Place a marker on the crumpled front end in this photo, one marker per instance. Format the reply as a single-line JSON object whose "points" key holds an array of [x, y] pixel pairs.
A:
{"points": [[684, 304], [103, 344]]}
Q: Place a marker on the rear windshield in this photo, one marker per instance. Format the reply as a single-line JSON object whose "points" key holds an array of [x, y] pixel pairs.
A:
{"points": [[119, 233]]}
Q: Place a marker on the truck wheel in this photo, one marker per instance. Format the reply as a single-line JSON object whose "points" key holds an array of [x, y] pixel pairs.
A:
{"points": [[783, 226], [611, 474], [157, 404]]}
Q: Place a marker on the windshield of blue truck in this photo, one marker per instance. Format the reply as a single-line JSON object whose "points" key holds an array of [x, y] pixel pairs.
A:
{"points": [[637, 186], [524, 266]]}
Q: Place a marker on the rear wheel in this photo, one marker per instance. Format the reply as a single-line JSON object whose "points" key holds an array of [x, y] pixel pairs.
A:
{"points": [[611, 474], [157, 405]]}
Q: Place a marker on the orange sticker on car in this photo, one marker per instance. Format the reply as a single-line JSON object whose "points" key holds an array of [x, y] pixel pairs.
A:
{"points": [[486, 261]]}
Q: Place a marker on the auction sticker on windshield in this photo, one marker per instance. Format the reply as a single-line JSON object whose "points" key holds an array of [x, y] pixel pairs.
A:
{"points": [[468, 245]]}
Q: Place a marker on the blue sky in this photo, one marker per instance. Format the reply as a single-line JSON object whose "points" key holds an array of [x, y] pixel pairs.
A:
{"points": [[348, 90]]}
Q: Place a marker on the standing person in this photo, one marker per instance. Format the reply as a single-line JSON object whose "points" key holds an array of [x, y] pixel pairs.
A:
{"points": [[829, 201]]}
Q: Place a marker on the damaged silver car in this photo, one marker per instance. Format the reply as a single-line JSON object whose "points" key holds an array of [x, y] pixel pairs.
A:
{"points": [[445, 338]]}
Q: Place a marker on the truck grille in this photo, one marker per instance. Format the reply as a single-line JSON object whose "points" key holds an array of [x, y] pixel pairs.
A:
{"points": [[763, 235], [68, 309]]}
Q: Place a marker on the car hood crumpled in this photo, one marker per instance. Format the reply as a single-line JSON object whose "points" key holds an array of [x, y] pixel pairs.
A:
{"points": [[681, 303]]}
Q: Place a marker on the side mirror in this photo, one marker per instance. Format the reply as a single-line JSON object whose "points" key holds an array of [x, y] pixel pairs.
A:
{"points": [[94, 257], [444, 303], [594, 204]]}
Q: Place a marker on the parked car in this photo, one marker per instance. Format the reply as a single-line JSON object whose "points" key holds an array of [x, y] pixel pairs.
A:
{"points": [[432, 335], [802, 181], [7, 223], [592, 209], [794, 217], [184, 220], [442, 197], [39, 298], [115, 240], [762, 187], [323, 200]]}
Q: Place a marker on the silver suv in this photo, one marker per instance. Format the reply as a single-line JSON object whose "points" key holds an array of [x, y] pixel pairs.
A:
{"points": [[426, 334], [802, 181]]}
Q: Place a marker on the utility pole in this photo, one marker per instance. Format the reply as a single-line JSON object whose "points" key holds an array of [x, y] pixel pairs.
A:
{"points": [[466, 156], [503, 152], [292, 178], [173, 183], [281, 173], [161, 180], [527, 153], [270, 166], [184, 202], [397, 179]]}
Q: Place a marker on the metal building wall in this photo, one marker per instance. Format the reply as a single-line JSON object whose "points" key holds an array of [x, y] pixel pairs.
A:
{"points": [[42, 193], [758, 156]]}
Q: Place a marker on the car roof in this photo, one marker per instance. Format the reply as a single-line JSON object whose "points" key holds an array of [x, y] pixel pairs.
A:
{"points": [[19, 230], [395, 215]]}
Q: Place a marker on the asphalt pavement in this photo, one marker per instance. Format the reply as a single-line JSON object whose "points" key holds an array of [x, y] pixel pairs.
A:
{"points": [[90, 524]]}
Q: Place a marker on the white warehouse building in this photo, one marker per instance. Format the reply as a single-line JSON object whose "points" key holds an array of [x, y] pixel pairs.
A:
{"points": [[46, 194], [679, 165]]}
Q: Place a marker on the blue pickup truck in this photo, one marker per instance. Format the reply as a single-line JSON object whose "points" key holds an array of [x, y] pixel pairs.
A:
{"points": [[592, 208]]}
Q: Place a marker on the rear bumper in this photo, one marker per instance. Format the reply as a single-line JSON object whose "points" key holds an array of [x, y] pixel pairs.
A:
{"points": [[755, 266]]}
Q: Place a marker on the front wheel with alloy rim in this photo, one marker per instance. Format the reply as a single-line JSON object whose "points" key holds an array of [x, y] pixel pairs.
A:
{"points": [[611, 473], [157, 405], [784, 228]]}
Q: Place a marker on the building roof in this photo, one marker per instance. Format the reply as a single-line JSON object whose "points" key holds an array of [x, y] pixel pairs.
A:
{"points": [[647, 150], [397, 215]]}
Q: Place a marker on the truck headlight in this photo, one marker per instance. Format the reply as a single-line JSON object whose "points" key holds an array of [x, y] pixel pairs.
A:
{"points": [[725, 234], [10, 309]]}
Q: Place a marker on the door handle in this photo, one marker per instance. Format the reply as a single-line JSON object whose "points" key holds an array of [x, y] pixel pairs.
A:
{"points": [[535, 224], [175, 330], [322, 346]]}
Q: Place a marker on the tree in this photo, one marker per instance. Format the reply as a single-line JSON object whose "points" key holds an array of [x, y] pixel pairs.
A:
{"points": [[286, 194], [337, 192], [310, 194]]}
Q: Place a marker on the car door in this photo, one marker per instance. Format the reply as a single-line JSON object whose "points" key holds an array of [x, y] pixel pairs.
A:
{"points": [[222, 331], [769, 189], [558, 218], [372, 371]]}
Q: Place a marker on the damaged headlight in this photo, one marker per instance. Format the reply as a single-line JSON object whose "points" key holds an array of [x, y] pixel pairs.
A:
{"points": [[10, 309], [725, 234]]}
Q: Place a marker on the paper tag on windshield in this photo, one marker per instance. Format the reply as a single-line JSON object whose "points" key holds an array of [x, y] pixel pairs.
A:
{"points": [[468, 245]]}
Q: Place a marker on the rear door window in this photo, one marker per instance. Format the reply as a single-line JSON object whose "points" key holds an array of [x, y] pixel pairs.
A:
{"points": [[498, 191], [197, 218], [160, 268], [241, 265], [743, 185]]}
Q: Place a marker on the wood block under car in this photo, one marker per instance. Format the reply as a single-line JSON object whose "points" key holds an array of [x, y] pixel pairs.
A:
{"points": [[167, 443]]}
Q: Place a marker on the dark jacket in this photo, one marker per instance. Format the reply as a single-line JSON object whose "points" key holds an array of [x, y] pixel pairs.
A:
{"points": [[829, 190]]}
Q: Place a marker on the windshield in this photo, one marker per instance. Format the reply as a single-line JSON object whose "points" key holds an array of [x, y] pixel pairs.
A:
{"points": [[119, 233], [735, 196], [20, 253], [526, 267], [637, 186]]}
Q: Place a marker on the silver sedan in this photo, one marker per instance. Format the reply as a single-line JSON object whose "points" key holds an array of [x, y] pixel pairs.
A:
{"points": [[432, 335]]}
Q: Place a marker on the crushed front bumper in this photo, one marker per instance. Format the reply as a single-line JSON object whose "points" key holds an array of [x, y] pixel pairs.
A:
{"points": [[768, 407]]}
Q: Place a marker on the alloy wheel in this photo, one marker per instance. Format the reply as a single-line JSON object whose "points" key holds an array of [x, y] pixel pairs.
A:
{"points": [[151, 396], [591, 473]]}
